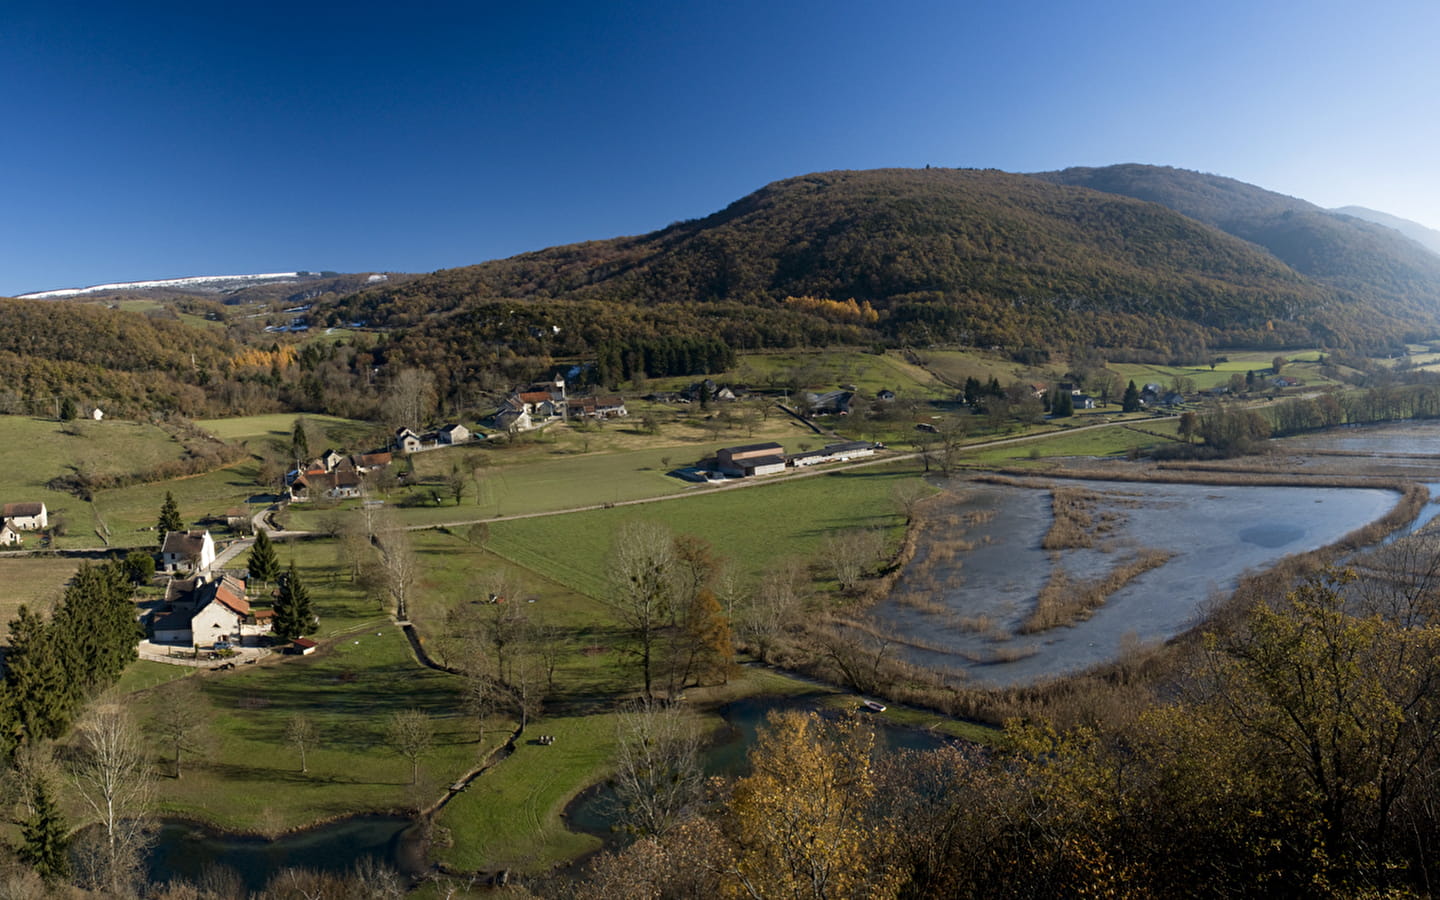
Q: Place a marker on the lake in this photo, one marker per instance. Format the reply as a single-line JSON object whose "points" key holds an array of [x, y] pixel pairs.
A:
{"points": [[962, 611]]}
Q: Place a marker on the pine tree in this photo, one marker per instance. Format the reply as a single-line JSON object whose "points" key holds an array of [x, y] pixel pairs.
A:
{"points": [[44, 836], [1063, 405], [293, 614], [169, 517], [264, 564], [1131, 402], [35, 678]]}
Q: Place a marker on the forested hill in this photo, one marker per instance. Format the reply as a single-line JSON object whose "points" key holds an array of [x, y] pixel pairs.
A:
{"points": [[1372, 264], [981, 257], [124, 362]]}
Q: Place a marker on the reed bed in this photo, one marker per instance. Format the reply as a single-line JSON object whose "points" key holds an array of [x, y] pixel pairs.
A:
{"points": [[1065, 601]]}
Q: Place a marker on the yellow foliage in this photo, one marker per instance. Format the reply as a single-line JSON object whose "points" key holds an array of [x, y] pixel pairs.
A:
{"points": [[801, 819], [837, 310], [256, 358]]}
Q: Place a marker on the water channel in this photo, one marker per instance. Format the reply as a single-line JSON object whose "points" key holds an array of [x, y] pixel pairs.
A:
{"points": [[187, 849]]}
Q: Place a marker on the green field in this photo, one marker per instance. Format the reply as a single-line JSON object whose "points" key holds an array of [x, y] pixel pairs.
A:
{"points": [[350, 434], [1301, 364], [1111, 440], [37, 450], [35, 582], [754, 526], [246, 777]]}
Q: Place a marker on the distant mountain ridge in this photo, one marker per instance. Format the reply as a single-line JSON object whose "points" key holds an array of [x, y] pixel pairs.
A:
{"points": [[1427, 237], [1369, 263], [1129, 256]]}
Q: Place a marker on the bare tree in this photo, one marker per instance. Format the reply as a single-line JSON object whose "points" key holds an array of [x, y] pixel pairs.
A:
{"points": [[411, 735], [642, 560], [181, 718], [777, 604], [851, 553], [409, 399], [657, 766], [110, 773], [907, 496], [301, 733], [398, 567]]}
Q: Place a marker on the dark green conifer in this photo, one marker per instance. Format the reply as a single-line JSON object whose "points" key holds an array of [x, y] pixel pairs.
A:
{"points": [[1131, 402], [44, 837], [264, 564], [169, 517], [293, 614]]}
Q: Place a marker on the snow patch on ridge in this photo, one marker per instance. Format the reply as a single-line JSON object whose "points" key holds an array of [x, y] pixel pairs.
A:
{"points": [[165, 282]]}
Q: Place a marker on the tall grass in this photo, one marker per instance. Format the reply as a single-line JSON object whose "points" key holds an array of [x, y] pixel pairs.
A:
{"points": [[1065, 601]]}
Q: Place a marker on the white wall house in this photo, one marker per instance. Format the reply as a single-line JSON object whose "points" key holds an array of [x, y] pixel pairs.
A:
{"points": [[185, 551], [26, 516]]}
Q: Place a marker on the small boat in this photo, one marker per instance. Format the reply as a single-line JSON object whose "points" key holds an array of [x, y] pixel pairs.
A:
{"points": [[874, 705]]}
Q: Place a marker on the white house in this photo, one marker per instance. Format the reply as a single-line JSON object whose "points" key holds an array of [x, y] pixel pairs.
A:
{"points": [[406, 440], [187, 551], [9, 535], [26, 516], [202, 614]]}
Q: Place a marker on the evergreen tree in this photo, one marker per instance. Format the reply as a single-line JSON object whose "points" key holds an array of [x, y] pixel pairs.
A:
{"points": [[44, 836], [300, 444], [1131, 403], [94, 630], [35, 678], [1063, 405], [169, 517], [67, 410], [264, 564], [293, 615]]}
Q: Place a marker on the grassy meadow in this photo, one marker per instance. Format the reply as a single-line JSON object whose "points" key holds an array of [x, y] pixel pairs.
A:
{"points": [[245, 776]]}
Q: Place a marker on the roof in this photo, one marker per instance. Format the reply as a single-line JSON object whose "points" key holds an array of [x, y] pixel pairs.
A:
{"points": [[751, 448], [172, 619], [846, 446], [11, 510], [450, 429], [305, 643], [184, 543], [758, 461], [179, 590], [534, 396], [228, 592], [371, 460]]}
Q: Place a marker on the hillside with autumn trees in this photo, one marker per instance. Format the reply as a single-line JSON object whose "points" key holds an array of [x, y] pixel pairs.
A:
{"points": [[984, 258], [1145, 263]]}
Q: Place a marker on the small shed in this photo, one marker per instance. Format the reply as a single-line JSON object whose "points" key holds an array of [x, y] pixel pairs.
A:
{"points": [[302, 647]]}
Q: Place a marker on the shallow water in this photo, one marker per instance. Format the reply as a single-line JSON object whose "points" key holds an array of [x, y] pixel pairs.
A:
{"points": [[186, 850], [1215, 533]]}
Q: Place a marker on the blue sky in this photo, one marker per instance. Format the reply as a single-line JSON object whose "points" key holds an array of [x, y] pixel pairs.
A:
{"points": [[151, 140]]}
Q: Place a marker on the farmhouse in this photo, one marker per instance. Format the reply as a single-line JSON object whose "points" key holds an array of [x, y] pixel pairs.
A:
{"points": [[596, 408], [831, 403], [751, 459], [9, 535], [454, 434], [339, 485], [406, 441], [198, 613], [188, 551], [26, 516]]}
